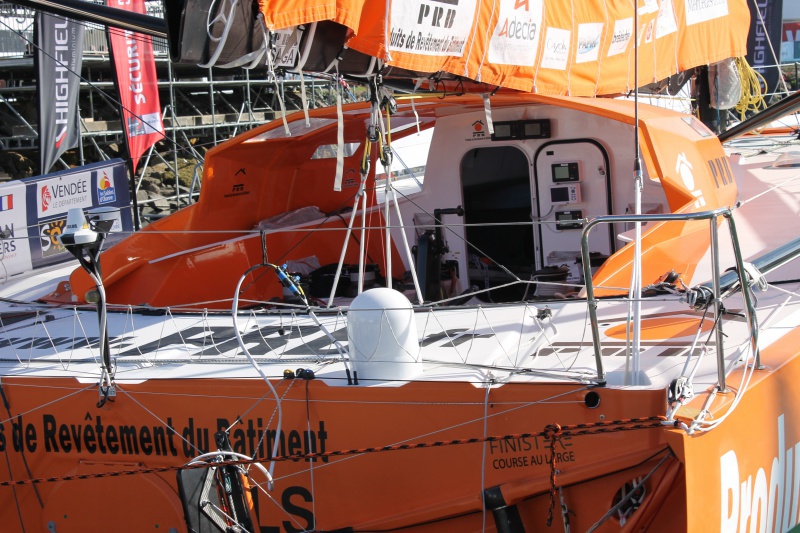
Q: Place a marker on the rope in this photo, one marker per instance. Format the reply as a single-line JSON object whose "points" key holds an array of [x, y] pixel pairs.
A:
{"points": [[551, 430], [630, 495], [483, 451], [752, 99]]}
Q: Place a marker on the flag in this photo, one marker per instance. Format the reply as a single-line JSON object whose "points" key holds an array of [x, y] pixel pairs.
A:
{"points": [[7, 202], [59, 54], [135, 72]]}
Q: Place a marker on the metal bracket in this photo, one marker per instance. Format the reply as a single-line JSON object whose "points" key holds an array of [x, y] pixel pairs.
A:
{"points": [[106, 392]]}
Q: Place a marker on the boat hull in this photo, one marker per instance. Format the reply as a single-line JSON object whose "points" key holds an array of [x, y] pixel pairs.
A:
{"points": [[54, 429]]}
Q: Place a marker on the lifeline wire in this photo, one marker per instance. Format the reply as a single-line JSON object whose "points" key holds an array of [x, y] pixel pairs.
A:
{"points": [[630, 424]]}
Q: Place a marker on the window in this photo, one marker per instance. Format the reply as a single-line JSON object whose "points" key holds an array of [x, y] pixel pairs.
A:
{"points": [[328, 151], [410, 159]]}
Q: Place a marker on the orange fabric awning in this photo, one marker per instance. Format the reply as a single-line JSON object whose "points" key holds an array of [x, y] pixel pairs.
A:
{"points": [[580, 47]]}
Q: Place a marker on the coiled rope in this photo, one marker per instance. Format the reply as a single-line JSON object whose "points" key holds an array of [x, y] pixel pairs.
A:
{"points": [[752, 82]]}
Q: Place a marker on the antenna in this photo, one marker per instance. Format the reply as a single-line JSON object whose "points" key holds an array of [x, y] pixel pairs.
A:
{"points": [[84, 239]]}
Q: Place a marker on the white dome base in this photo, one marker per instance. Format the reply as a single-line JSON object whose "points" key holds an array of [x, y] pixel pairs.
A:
{"points": [[382, 336]]}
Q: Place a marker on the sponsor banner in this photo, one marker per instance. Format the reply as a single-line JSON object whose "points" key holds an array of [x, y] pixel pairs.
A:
{"points": [[60, 50], [477, 132], [15, 251], [589, 39], [515, 40], [494, 42], [650, 6], [556, 49], [665, 23], [106, 192], [135, 72], [287, 57], [48, 235], [58, 195], [759, 53], [431, 27], [704, 10], [623, 31], [49, 198], [647, 32]]}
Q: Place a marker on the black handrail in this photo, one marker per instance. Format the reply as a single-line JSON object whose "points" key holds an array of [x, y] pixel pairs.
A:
{"points": [[773, 112], [764, 264]]}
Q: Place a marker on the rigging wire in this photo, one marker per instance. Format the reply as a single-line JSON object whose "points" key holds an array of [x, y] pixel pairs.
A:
{"points": [[14, 490], [280, 506], [160, 421], [550, 432], [52, 402], [630, 494], [94, 26], [176, 147], [448, 227], [22, 453], [91, 84], [699, 423], [770, 189]]}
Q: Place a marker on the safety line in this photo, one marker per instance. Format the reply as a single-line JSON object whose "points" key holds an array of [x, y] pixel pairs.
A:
{"points": [[552, 431]]}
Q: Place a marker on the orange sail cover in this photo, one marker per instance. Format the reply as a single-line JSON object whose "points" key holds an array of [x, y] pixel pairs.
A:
{"points": [[575, 47]]}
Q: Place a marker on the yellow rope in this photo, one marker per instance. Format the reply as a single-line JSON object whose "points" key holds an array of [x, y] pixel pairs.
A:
{"points": [[752, 98], [367, 150]]}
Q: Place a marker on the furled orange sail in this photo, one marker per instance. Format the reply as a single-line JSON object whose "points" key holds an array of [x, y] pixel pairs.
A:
{"points": [[580, 48]]}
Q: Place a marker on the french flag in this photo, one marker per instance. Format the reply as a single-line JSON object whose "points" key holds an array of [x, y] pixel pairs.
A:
{"points": [[7, 202]]}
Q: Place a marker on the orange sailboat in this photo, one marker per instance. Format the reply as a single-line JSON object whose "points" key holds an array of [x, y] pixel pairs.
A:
{"points": [[471, 311]]}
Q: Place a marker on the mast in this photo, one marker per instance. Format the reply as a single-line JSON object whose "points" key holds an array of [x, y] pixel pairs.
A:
{"points": [[715, 119], [636, 283]]}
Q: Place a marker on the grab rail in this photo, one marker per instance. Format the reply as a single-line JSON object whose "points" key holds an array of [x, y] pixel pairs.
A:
{"points": [[712, 217]]}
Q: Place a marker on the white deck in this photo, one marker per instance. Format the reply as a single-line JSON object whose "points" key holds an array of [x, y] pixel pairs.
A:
{"points": [[505, 342]]}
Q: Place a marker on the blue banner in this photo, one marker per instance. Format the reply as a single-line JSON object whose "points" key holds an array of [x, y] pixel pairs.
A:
{"points": [[50, 197]]}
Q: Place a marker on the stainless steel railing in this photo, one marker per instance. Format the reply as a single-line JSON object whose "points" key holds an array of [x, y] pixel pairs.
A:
{"points": [[743, 280]]}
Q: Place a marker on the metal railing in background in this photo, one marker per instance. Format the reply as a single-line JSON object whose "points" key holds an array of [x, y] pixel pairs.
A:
{"points": [[17, 30], [202, 106], [17, 23]]}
